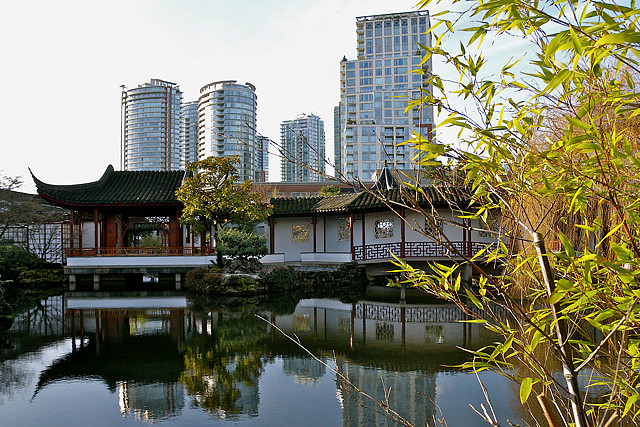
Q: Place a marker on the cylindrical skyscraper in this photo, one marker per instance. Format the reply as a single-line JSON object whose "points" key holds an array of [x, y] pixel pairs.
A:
{"points": [[227, 124], [151, 126]]}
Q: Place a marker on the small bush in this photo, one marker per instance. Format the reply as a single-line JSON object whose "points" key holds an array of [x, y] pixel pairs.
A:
{"points": [[241, 284], [279, 279], [12, 258], [40, 277]]}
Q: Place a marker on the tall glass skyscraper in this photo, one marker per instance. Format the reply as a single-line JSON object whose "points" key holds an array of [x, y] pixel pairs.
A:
{"points": [[375, 90], [189, 133], [151, 126], [227, 123], [303, 147]]}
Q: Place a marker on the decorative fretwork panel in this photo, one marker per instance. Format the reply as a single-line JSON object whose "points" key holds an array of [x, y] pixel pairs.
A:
{"points": [[415, 250], [435, 314], [423, 314]]}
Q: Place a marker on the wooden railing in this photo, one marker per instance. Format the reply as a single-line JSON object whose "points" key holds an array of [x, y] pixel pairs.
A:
{"points": [[134, 251]]}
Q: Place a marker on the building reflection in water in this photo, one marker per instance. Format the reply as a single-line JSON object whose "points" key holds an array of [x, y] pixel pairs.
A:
{"points": [[134, 345], [304, 370], [157, 354], [392, 352], [149, 402]]}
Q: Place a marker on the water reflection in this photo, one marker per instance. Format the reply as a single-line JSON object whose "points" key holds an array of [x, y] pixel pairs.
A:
{"points": [[224, 359], [390, 351], [166, 359]]}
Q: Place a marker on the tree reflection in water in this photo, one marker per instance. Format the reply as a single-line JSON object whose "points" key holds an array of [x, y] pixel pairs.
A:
{"points": [[223, 363]]}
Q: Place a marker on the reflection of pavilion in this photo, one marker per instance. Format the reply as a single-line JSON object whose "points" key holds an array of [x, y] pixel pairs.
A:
{"points": [[133, 345]]}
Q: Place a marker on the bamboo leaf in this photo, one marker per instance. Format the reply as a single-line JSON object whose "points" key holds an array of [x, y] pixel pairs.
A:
{"points": [[525, 389], [619, 38], [630, 402], [473, 299]]}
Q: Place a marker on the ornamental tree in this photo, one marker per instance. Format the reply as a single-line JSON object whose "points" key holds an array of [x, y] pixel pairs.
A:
{"points": [[212, 197]]}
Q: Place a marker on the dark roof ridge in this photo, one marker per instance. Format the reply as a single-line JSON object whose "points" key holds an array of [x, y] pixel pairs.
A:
{"points": [[85, 185]]}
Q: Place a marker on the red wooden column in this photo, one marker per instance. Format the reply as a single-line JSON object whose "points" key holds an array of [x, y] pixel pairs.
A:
{"points": [[353, 248], [364, 250], [272, 235], [79, 230], [174, 231], [95, 230], [402, 227], [314, 223], [72, 219], [324, 234]]}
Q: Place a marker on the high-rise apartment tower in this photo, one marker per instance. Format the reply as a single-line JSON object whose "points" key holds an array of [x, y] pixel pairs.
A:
{"points": [[189, 133], [374, 92], [151, 126], [227, 124], [303, 147]]}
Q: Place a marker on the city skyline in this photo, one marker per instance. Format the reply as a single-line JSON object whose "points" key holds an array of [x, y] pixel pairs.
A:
{"points": [[65, 68]]}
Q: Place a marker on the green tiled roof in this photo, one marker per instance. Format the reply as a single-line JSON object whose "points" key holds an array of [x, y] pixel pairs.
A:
{"points": [[369, 201], [294, 206], [436, 196], [117, 188], [338, 203]]}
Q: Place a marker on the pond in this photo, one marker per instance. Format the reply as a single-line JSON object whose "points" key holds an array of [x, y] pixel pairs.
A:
{"points": [[106, 359]]}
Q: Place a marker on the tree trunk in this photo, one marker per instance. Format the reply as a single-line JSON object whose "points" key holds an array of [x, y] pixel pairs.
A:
{"points": [[561, 331], [214, 237]]}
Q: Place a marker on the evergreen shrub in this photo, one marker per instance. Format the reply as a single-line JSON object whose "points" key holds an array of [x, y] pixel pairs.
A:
{"points": [[13, 258], [241, 243]]}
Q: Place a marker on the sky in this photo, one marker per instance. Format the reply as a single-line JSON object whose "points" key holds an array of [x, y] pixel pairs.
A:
{"points": [[64, 63]]}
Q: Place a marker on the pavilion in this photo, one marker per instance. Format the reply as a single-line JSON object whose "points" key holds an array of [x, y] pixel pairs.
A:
{"points": [[108, 218]]}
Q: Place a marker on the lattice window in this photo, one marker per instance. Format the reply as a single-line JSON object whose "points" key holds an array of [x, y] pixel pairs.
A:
{"points": [[300, 233], [301, 323], [433, 226], [384, 228], [384, 331], [343, 230]]}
